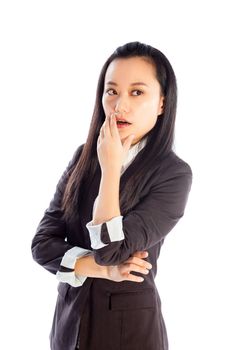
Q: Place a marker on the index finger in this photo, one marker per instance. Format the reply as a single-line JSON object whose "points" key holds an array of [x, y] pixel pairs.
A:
{"points": [[113, 124], [139, 262]]}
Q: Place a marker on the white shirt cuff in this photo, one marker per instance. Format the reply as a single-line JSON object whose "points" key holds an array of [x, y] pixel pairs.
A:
{"points": [[66, 272], [114, 229]]}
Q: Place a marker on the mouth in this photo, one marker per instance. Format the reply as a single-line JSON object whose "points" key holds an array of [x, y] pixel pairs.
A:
{"points": [[121, 124], [122, 121]]}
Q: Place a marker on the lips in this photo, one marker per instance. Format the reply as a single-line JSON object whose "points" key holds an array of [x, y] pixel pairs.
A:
{"points": [[119, 119], [122, 125]]}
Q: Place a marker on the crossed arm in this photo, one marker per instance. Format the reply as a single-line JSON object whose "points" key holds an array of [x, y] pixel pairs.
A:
{"points": [[107, 208], [49, 245], [86, 266], [142, 228]]}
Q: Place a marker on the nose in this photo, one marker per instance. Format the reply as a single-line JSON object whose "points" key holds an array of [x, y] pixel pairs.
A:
{"points": [[122, 105]]}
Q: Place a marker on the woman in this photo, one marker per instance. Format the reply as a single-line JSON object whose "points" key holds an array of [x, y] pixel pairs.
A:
{"points": [[121, 194]]}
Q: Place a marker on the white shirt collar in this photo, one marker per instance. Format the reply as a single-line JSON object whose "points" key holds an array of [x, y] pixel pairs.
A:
{"points": [[133, 151]]}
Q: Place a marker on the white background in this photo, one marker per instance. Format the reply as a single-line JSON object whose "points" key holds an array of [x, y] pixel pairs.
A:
{"points": [[50, 60]]}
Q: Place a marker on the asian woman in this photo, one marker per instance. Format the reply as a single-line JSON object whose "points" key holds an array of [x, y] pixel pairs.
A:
{"points": [[122, 192]]}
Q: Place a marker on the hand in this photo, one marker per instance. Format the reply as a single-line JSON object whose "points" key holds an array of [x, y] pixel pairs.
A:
{"points": [[110, 150], [134, 263]]}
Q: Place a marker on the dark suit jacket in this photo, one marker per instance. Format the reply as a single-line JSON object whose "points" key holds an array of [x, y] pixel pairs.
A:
{"points": [[124, 315]]}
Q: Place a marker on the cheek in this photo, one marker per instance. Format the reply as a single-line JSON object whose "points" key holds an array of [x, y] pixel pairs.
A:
{"points": [[149, 107], [105, 103]]}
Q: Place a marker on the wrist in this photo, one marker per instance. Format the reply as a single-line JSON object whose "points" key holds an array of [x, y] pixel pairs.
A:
{"points": [[109, 272], [104, 272], [113, 171]]}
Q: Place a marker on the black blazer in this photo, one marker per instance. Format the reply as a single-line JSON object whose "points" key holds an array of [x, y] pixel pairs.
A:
{"points": [[117, 315]]}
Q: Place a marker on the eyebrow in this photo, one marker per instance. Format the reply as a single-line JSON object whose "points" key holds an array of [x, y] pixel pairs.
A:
{"points": [[133, 84]]}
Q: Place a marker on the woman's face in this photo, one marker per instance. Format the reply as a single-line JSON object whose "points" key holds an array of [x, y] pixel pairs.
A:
{"points": [[131, 88]]}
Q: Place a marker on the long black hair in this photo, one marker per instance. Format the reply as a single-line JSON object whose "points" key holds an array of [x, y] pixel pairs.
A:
{"points": [[159, 140]]}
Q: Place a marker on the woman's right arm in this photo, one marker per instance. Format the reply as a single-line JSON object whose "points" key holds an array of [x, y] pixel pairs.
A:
{"points": [[87, 267], [51, 250]]}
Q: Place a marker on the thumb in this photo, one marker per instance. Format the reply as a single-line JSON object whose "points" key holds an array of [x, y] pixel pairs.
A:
{"points": [[128, 142]]}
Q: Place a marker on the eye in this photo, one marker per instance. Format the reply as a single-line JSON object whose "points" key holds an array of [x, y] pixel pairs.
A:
{"points": [[140, 92], [108, 92], [112, 92]]}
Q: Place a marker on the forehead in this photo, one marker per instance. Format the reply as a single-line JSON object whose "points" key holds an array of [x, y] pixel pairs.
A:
{"points": [[129, 70]]}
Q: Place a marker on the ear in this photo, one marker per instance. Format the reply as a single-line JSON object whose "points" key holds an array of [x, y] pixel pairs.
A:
{"points": [[161, 105]]}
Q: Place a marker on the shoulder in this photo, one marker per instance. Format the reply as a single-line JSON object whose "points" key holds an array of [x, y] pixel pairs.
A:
{"points": [[78, 151], [172, 164], [76, 155], [173, 173], [73, 161]]}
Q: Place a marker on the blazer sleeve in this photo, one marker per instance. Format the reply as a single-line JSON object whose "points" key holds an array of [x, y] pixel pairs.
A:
{"points": [[149, 221], [49, 245], [66, 272]]}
